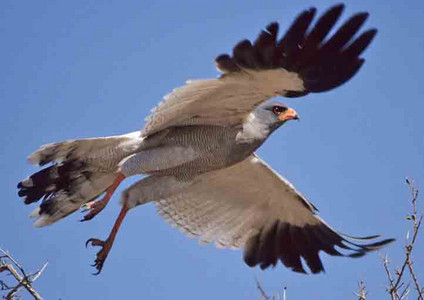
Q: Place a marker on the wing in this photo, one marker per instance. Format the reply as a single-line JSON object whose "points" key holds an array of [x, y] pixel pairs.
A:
{"points": [[301, 62], [250, 206]]}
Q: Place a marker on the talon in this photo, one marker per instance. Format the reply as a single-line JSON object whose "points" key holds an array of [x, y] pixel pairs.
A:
{"points": [[95, 242], [93, 207], [101, 255], [107, 244], [98, 264], [90, 215], [97, 273]]}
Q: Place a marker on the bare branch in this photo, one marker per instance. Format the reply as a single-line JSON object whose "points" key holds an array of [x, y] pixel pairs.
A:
{"points": [[405, 292], [362, 294], [9, 264], [395, 283], [414, 278], [261, 289], [34, 277]]}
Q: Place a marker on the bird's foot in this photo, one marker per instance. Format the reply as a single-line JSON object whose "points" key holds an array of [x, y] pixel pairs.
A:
{"points": [[107, 245], [94, 208], [102, 254]]}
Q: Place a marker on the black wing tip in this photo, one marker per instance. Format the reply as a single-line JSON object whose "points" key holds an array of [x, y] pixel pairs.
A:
{"points": [[373, 30], [372, 246], [272, 28], [370, 34], [289, 244], [338, 6], [336, 9], [360, 15], [364, 249], [311, 11], [316, 55]]}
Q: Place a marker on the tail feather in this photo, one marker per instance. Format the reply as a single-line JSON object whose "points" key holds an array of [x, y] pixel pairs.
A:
{"points": [[92, 148], [49, 180], [81, 171], [63, 189]]}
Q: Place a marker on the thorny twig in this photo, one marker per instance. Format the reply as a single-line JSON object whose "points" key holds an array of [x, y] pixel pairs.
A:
{"points": [[9, 264], [396, 283], [362, 294]]}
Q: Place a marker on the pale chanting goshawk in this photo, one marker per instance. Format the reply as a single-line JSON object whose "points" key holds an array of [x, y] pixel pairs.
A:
{"points": [[197, 152]]}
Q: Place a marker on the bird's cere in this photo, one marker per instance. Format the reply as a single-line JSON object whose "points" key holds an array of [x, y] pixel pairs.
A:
{"points": [[289, 114]]}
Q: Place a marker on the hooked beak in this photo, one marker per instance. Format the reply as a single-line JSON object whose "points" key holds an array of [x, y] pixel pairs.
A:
{"points": [[289, 114]]}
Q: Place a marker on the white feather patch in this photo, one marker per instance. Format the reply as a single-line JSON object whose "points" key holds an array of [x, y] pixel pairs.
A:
{"points": [[43, 220], [35, 213], [253, 129]]}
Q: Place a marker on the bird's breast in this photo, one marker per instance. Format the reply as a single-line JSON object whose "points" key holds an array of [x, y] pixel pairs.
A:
{"points": [[191, 150]]}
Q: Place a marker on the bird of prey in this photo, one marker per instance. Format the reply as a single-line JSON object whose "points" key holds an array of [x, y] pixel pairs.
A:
{"points": [[197, 152]]}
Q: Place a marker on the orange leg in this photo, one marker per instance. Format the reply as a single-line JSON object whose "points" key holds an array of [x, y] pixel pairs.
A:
{"points": [[107, 245], [97, 206]]}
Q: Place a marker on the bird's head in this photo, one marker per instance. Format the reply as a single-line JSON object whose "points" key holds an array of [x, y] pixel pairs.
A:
{"points": [[274, 114]]}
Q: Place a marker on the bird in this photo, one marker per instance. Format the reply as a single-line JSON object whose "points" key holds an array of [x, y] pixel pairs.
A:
{"points": [[196, 152]]}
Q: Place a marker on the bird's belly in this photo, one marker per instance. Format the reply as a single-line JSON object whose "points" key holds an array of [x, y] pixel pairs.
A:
{"points": [[205, 161], [190, 151]]}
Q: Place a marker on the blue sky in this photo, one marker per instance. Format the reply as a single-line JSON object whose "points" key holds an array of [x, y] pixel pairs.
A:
{"points": [[80, 69]]}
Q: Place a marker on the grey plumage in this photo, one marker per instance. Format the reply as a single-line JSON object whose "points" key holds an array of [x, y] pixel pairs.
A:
{"points": [[190, 150], [197, 150]]}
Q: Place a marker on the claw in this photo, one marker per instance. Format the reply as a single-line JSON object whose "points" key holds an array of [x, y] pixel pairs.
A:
{"points": [[107, 245], [98, 264], [101, 255], [95, 242], [94, 207], [97, 273], [89, 216]]}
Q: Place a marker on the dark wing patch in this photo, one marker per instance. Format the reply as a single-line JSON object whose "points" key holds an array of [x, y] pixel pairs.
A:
{"points": [[322, 64], [287, 243], [47, 183]]}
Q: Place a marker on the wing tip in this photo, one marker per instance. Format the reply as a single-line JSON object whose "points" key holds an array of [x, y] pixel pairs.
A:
{"points": [[305, 243], [269, 53]]}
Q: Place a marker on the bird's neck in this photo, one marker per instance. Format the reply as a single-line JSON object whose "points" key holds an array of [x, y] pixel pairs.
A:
{"points": [[253, 131]]}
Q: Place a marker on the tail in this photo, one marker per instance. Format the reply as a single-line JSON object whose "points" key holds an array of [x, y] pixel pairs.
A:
{"points": [[80, 171]]}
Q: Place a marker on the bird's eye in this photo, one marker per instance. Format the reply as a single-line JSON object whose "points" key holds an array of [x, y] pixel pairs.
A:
{"points": [[277, 110]]}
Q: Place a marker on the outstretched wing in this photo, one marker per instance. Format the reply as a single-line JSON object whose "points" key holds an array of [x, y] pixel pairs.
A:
{"points": [[301, 62], [250, 206]]}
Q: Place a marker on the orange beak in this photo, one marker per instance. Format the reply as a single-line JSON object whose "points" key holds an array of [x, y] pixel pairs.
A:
{"points": [[289, 114]]}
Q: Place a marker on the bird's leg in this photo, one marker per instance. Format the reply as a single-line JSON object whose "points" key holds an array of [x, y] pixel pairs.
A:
{"points": [[107, 245], [97, 206]]}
